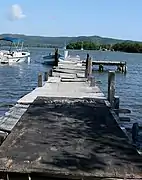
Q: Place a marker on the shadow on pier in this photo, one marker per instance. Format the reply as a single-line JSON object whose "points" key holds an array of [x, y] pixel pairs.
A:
{"points": [[75, 137]]}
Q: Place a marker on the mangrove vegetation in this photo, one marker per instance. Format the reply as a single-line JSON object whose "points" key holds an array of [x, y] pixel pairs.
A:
{"points": [[126, 46]]}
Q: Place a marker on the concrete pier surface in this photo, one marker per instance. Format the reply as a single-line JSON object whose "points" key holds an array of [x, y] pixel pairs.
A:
{"points": [[68, 80], [68, 131], [69, 137]]}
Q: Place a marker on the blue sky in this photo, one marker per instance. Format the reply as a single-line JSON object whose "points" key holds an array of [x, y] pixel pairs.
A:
{"points": [[108, 18]]}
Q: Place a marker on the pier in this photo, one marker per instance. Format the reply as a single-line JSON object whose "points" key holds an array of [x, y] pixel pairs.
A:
{"points": [[67, 129], [121, 65]]}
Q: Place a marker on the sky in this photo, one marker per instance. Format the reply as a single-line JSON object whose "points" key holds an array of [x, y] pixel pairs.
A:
{"points": [[120, 19]]}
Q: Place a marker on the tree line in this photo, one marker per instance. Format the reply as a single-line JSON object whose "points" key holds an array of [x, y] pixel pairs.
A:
{"points": [[126, 46]]}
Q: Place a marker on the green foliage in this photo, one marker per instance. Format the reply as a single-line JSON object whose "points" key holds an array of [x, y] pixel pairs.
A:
{"points": [[89, 42], [127, 46], [88, 45]]}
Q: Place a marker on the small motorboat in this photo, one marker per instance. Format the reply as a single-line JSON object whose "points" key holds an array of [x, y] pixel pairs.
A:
{"points": [[49, 59], [51, 56], [14, 55], [66, 59]]}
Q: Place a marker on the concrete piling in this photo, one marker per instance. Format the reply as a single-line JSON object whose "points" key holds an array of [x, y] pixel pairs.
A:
{"points": [[111, 87], [39, 80]]}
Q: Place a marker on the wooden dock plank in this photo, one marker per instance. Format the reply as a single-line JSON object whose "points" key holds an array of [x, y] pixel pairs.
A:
{"points": [[11, 117], [74, 137]]}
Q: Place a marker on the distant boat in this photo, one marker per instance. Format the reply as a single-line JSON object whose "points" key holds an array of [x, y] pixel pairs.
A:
{"points": [[65, 46], [50, 59], [82, 47]]}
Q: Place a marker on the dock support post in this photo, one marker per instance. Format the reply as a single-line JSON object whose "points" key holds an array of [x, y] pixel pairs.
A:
{"points": [[86, 69], [56, 57], [50, 73], [116, 103], [46, 76], [111, 87], [89, 68], [135, 132], [125, 68], [92, 81], [7, 176], [101, 68], [39, 80]]}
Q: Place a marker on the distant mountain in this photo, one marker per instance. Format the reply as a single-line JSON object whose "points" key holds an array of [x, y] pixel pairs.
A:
{"points": [[60, 41]]}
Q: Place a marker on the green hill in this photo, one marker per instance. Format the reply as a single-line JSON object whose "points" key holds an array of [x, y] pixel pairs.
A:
{"points": [[40, 41]]}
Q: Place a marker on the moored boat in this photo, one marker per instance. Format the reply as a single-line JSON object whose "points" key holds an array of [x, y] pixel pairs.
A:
{"points": [[14, 54]]}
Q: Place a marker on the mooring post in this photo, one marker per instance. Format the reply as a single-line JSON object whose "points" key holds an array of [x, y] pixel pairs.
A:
{"points": [[92, 81], [89, 68], [116, 103], [111, 87], [46, 76], [86, 69], [101, 68], [135, 132], [125, 68], [50, 72], [56, 57], [39, 80]]}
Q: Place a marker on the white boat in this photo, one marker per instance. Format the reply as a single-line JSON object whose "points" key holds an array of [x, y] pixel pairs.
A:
{"points": [[65, 46], [64, 59], [68, 58], [14, 54], [82, 47]]}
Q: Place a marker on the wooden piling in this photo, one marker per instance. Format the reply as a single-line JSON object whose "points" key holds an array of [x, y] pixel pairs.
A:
{"points": [[89, 68], [111, 87], [116, 104], [125, 69], [135, 131], [92, 81], [56, 57], [39, 80], [86, 69], [50, 72], [46, 76], [101, 68]]}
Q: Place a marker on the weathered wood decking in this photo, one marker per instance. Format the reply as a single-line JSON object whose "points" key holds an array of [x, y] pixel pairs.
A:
{"points": [[68, 132]]}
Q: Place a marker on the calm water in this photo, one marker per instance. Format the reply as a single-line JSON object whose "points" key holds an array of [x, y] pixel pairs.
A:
{"points": [[18, 80]]}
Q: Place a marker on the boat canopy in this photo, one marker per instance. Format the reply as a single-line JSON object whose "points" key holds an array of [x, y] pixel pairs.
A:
{"points": [[11, 39]]}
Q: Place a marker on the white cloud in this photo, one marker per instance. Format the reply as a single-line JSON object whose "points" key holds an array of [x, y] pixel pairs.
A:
{"points": [[16, 13]]}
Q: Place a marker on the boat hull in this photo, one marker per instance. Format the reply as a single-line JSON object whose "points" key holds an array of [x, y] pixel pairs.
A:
{"points": [[51, 56], [16, 57]]}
